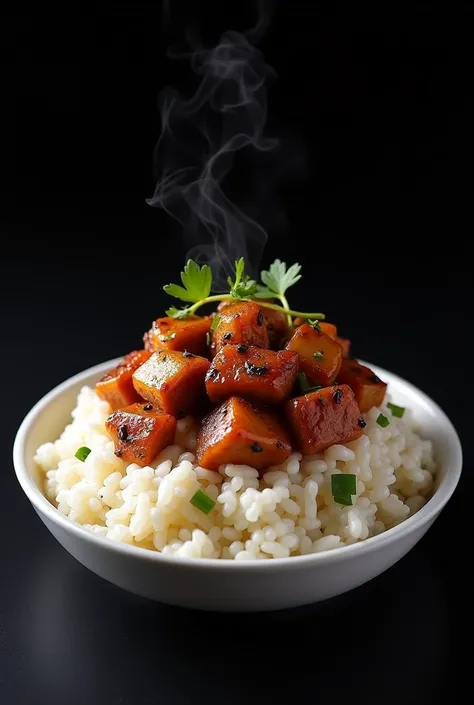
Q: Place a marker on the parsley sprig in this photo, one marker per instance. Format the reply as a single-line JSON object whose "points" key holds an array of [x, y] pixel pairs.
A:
{"points": [[197, 286]]}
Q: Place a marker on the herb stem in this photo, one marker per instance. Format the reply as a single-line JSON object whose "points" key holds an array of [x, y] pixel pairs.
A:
{"points": [[264, 304], [286, 306]]}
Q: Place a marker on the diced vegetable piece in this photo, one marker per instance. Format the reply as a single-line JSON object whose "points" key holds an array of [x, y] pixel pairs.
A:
{"points": [[368, 389], [343, 486], [173, 380], [252, 373], [345, 344], [320, 357], [328, 328], [140, 432], [275, 321], [243, 323], [325, 417], [176, 334], [116, 387], [383, 421], [241, 433]]}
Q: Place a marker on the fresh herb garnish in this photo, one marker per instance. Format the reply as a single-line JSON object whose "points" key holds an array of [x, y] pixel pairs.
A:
{"points": [[305, 386], [342, 487], [383, 421], [197, 285], [277, 279], [337, 396], [197, 282], [208, 339], [242, 286], [215, 322], [82, 453], [397, 411], [318, 355], [315, 324], [166, 338], [202, 501]]}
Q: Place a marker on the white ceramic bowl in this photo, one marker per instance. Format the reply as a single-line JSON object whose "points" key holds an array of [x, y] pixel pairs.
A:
{"points": [[224, 585]]}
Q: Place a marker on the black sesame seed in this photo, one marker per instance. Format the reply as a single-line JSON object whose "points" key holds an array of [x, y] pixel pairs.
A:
{"points": [[255, 369], [148, 407], [361, 422], [186, 353], [260, 317], [337, 396], [322, 401], [256, 448], [123, 432], [242, 348], [227, 336]]}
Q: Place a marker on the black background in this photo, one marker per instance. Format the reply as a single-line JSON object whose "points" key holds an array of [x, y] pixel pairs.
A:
{"points": [[379, 105]]}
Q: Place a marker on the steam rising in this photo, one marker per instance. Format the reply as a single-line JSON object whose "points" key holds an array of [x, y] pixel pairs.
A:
{"points": [[199, 140]]}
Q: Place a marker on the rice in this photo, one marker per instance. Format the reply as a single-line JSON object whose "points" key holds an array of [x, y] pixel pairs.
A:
{"points": [[289, 511]]}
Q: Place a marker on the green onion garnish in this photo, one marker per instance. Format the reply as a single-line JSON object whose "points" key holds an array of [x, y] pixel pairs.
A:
{"points": [[208, 339], [315, 325], [346, 501], [202, 502], [215, 322], [397, 411], [342, 487], [383, 421], [82, 453], [318, 355], [305, 385]]}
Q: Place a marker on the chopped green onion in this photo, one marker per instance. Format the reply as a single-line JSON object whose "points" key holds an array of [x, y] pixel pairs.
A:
{"points": [[215, 322], [305, 385], [383, 421], [342, 487], [397, 411], [208, 338], [315, 324], [82, 453], [202, 502], [318, 355], [346, 501]]}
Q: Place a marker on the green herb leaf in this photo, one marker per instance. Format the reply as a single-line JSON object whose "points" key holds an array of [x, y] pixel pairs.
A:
{"points": [[197, 282], [202, 501], [383, 421], [397, 411], [318, 355], [215, 322], [342, 487], [166, 338], [82, 453], [208, 339], [305, 386], [242, 287], [174, 312], [278, 278], [315, 325]]}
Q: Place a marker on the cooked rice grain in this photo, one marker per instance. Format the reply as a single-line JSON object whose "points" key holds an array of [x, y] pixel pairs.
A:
{"points": [[289, 511]]}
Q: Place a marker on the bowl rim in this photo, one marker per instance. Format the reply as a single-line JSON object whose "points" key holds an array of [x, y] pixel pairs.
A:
{"points": [[427, 513]]}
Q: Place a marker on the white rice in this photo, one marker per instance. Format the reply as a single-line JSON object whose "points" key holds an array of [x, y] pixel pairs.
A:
{"points": [[290, 511]]}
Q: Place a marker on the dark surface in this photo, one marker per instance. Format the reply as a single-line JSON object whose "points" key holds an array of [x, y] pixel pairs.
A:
{"points": [[382, 109]]}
